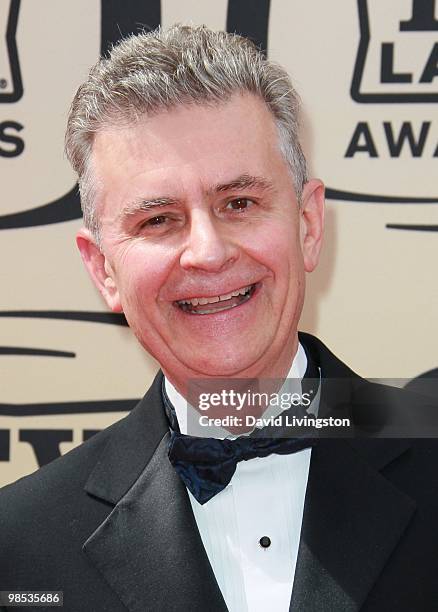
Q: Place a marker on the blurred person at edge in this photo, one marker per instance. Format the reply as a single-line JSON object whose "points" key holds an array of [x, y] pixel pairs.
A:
{"points": [[199, 225]]}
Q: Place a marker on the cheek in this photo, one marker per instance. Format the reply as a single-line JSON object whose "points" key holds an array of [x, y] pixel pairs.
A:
{"points": [[277, 247], [143, 270]]}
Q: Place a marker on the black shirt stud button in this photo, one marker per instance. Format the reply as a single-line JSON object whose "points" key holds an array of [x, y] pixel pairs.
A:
{"points": [[265, 542]]}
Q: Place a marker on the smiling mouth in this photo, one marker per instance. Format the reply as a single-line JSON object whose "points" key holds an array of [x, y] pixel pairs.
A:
{"points": [[211, 305]]}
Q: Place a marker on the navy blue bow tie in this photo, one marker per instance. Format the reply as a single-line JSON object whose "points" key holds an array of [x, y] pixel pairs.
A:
{"points": [[206, 465]]}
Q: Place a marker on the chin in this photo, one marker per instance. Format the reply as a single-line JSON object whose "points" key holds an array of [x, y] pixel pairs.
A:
{"points": [[222, 367]]}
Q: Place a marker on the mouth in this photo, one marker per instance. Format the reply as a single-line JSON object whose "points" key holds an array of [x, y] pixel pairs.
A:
{"points": [[211, 305]]}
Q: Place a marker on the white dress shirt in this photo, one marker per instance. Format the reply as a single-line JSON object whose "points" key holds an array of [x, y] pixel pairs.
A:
{"points": [[264, 498]]}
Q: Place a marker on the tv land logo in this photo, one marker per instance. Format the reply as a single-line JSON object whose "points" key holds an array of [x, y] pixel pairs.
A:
{"points": [[396, 63], [11, 87], [397, 59]]}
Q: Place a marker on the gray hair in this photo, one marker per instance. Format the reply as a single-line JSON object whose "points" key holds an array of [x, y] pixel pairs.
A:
{"points": [[158, 70]]}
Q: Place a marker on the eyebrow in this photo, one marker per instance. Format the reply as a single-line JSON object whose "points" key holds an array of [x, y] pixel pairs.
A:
{"points": [[144, 205], [244, 181]]}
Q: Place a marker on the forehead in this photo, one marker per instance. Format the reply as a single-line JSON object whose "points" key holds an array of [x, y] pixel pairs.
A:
{"points": [[186, 149]]}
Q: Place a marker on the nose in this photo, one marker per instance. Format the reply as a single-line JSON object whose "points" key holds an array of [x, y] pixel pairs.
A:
{"points": [[208, 247]]}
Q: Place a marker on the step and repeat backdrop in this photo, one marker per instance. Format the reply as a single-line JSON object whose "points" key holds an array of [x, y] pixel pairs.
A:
{"points": [[367, 72]]}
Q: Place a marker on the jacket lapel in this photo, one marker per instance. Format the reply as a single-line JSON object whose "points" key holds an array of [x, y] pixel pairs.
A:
{"points": [[353, 519], [149, 549], [353, 516]]}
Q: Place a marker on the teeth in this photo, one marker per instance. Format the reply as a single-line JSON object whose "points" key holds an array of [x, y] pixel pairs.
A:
{"points": [[212, 300], [220, 298]]}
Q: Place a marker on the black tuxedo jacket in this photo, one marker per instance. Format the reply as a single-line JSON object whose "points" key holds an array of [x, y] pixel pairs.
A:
{"points": [[111, 525]]}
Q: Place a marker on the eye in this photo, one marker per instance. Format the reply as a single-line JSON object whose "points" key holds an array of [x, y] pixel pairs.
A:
{"points": [[161, 225], [155, 221], [158, 220], [239, 204]]}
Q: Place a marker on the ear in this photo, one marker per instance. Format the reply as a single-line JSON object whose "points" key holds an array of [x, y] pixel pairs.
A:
{"points": [[312, 222], [99, 269]]}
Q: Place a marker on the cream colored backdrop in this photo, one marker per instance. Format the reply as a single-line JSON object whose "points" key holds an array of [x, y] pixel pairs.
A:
{"points": [[369, 87]]}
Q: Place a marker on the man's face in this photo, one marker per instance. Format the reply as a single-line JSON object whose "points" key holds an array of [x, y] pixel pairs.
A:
{"points": [[204, 243]]}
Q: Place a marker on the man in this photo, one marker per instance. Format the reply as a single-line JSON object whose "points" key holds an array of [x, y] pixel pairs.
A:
{"points": [[200, 224]]}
